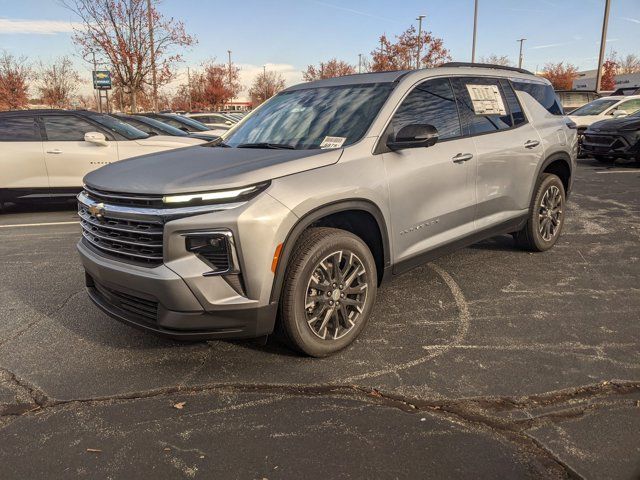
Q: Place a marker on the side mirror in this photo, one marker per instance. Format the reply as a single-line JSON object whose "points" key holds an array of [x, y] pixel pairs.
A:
{"points": [[620, 113], [96, 138], [413, 136]]}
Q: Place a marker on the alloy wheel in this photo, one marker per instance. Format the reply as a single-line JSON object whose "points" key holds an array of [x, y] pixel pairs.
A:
{"points": [[550, 213], [336, 295]]}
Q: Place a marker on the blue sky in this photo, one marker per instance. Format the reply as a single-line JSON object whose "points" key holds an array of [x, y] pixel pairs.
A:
{"points": [[287, 35]]}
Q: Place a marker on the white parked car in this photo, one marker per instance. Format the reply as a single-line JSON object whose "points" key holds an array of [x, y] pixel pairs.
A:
{"points": [[604, 108], [46, 153], [214, 120]]}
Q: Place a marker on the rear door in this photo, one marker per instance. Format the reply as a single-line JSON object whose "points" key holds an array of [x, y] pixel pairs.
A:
{"points": [[22, 164], [68, 157], [508, 148], [431, 189]]}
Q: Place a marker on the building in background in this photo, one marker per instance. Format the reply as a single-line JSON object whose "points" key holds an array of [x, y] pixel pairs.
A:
{"points": [[587, 80]]}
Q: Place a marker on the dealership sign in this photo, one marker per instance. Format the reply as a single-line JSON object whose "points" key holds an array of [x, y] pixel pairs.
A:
{"points": [[102, 80]]}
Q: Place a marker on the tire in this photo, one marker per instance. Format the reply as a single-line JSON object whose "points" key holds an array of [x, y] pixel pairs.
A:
{"points": [[549, 220], [311, 321], [603, 159]]}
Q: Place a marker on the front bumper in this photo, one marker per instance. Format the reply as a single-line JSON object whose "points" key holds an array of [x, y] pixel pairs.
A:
{"points": [[159, 301], [609, 145]]}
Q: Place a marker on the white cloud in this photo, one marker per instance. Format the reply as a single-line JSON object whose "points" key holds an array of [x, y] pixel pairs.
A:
{"points": [[549, 45], [38, 27], [629, 19]]}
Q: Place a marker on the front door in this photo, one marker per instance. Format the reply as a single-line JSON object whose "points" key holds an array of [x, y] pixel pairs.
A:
{"points": [[68, 156], [431, 189]]}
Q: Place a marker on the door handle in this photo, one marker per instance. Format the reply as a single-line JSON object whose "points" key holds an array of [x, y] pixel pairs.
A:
{"points": [[462, 157], [531, 144], [55, 151]]}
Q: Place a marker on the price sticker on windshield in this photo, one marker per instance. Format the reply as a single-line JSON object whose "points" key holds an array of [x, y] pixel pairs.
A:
{"points": [[332, 142]]}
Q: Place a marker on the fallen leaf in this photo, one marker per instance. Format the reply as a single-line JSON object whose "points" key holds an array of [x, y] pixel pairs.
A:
{"points": [[94, 450], [179, 405], [167, 449], [375, 393]]}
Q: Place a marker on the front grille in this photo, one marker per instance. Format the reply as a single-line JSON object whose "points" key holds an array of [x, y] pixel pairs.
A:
{"points": [[126, 199], [134, 240], [139, 307], [598, 140]]}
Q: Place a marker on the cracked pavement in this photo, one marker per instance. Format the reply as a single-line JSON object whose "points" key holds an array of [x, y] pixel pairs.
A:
{"points": [[490, 362]]}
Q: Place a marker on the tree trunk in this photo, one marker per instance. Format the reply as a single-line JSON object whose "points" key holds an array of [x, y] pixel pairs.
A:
{"points": [[134, 105]]}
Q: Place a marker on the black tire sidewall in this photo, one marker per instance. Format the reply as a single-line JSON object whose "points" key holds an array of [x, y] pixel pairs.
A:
{"points": [[294, 319]]}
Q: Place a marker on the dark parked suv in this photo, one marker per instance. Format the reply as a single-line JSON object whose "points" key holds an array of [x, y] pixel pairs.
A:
{"points": [[610, 139], [320, 195]]}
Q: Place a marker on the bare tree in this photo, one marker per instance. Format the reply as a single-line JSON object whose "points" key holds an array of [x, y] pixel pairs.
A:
{"points": [[401, 54], [330, 69], [494, 59], [118, 32], [628, 64], [57, 82], [14, 77], [265, 86]]}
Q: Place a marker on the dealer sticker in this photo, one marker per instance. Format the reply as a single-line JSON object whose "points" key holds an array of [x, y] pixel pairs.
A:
{"points": [[486, 100], [333, 142]]}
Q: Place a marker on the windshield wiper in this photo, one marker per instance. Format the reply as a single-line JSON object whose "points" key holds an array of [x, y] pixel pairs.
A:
{"points": [[273, 146]]}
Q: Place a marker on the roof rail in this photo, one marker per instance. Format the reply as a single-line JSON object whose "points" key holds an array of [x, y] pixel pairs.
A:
{"points": [[485, 65]]}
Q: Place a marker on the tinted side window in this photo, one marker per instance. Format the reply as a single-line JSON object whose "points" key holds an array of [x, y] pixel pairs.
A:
{"points": [[487, 111], [67, 128], [432, 102], [544, 94], [514, 105], [19, 129]]}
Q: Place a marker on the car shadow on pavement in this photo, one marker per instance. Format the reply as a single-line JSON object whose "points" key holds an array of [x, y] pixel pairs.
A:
{"points": [[38, 207], [500, 243]]}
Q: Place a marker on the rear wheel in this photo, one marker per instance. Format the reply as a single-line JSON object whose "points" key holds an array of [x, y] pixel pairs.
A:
{"points": [[546, 216], [329, 291]]}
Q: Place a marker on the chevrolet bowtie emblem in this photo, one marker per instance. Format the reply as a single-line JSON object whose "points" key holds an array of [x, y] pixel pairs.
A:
{"points": [[97, 210]]}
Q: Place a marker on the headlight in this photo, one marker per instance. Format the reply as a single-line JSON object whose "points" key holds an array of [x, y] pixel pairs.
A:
{"points": [[217, 196]]}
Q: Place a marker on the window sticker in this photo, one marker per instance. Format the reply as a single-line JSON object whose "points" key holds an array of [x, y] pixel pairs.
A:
{"points": [[333, 142], [486, 100]]}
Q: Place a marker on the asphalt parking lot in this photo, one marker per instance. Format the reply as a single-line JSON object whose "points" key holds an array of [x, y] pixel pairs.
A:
{"points": [[490, 362]]}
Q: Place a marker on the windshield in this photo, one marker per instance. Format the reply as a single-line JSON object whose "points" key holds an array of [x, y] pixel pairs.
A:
{"points": [[157, 125], [117, 126], [313, 118], [595, 108], [191, 124]]}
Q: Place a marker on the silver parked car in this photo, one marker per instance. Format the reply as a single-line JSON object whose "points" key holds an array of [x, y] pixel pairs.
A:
{"points": [[298, 214]]}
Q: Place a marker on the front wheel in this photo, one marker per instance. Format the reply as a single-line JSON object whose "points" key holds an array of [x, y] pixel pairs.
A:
{"points": [[329, 291], [546, 216]]}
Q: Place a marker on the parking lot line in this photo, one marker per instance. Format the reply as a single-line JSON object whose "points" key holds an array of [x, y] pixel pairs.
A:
{"points": [[618, 171], [46, 224]]}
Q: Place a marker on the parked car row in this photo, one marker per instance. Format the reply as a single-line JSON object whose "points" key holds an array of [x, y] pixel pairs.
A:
{"points": [[46, 153]]}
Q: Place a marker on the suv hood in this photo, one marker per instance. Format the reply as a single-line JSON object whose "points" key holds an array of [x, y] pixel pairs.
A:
{"points": [[626, 123], [204, 168]]}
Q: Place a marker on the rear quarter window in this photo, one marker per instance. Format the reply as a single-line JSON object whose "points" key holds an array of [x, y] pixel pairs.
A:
{"points": [[543, 93]]}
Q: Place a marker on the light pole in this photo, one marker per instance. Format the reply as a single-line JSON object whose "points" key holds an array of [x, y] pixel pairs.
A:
{"points": [[475, 31], [264, 82], [359, 63], [154, 83], [603, 44], [189, 88], [420, 17], [520, 57], [230, 81]]}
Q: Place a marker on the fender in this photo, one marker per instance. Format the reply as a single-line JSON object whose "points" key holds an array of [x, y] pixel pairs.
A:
{"points": [[317, 214], [562, 156]]}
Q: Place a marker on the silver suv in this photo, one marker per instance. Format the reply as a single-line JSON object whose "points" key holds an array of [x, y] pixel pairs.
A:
{"points": [[302, 210]]}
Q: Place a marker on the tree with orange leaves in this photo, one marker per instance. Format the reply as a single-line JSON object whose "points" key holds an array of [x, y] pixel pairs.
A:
{"points": [[402, 54], [560, 75], [57, 82], [265, 86], [609, 69], [117, 31], [332, 68], [14, 75]]}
